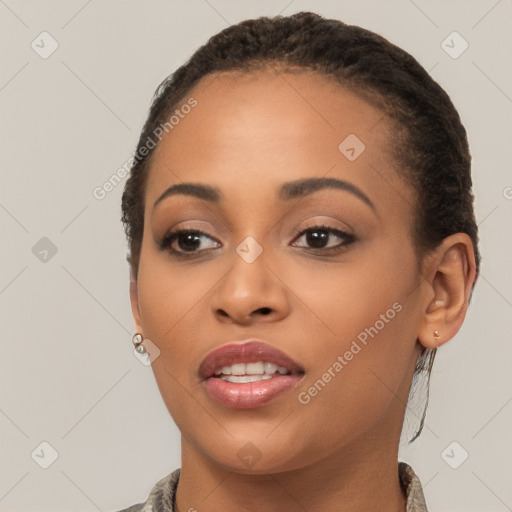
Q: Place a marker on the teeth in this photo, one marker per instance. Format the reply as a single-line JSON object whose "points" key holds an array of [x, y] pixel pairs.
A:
{"points": [[266, 370], [270, 368], [243, 379], [254, 369], [238, 369]]}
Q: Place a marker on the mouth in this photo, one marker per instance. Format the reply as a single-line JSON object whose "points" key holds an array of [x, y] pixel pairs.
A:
{"points": [[248, 374], [251, 358]]}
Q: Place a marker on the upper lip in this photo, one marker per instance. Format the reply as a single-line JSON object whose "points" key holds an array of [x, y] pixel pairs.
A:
{"points": [[248, 351]]}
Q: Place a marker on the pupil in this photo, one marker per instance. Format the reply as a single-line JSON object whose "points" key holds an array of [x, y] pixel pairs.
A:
{"points": [[188, 241], [317, 239]]}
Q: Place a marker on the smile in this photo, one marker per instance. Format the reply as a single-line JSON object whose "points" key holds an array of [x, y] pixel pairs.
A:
{"points": [[248, 374]]}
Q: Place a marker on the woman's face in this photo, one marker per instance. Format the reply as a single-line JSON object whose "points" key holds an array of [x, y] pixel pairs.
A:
{"points": [[325, 273]]}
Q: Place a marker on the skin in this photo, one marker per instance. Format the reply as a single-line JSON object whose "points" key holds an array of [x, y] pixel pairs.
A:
{"points": [[247, 135]]}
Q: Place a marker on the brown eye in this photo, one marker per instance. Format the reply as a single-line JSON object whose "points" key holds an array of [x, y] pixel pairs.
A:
{"points": [[325, 238], [187, 241]]}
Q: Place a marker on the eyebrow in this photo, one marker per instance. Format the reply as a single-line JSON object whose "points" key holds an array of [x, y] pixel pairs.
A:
{"points": [[206, 192], [289, 190], [306, 186]]}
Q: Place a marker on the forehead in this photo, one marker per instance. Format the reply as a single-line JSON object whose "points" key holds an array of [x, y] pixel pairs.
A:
{"points": [[258, 129]]}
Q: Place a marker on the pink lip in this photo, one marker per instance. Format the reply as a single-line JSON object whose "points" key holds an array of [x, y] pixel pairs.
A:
{"points": [[251, 394], [249, 351]]}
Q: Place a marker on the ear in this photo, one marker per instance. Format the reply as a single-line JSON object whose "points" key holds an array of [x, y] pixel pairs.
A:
{"points": [[451, 273], [134, 300]]}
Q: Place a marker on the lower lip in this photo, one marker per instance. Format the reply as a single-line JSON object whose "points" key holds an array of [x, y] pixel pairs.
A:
{"points": [[249, 395]]}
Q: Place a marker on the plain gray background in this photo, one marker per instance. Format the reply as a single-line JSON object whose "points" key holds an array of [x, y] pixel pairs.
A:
{"points": [[70, 120]]}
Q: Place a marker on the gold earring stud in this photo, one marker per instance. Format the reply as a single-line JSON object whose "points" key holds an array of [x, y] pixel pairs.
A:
{"points": [[436, 335], [137, 343]]}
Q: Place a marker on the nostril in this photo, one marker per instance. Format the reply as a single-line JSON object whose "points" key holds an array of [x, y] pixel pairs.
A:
{"points": [[265, 311]]}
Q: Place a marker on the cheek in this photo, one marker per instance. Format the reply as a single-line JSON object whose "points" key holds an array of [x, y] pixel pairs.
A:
{"points": [[175, 308], [342, 299], [368, 313], [169, 294], [170, 303], [360, 381]]}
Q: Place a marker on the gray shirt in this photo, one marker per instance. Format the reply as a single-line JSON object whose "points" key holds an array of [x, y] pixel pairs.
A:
{"points": [[161, 498]]}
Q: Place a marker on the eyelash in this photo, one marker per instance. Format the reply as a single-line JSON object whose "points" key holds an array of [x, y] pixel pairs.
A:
{"points": [[165, 243]]}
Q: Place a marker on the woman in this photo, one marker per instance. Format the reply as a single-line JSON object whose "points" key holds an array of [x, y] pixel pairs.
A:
{"points": [[302, 239]]}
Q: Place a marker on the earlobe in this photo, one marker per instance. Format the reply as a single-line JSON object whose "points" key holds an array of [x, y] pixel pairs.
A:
{"points": [[451, 275]]}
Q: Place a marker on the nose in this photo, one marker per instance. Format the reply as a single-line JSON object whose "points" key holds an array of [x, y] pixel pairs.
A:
{"points": [[250, 292]]}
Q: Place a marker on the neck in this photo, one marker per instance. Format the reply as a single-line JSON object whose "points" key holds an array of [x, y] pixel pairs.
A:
{"points": [[362, 478]]}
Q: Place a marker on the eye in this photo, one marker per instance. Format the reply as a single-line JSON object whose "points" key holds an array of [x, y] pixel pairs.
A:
{"points": [[324, 238], [189, 241]]}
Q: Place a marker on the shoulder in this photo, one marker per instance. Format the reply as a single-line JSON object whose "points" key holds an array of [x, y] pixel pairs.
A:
{"points": [[161, 496], [412, 488]]}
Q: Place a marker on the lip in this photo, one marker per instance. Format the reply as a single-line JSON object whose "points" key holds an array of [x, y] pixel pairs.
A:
{"points": [[251, 394], [248, 351]]}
